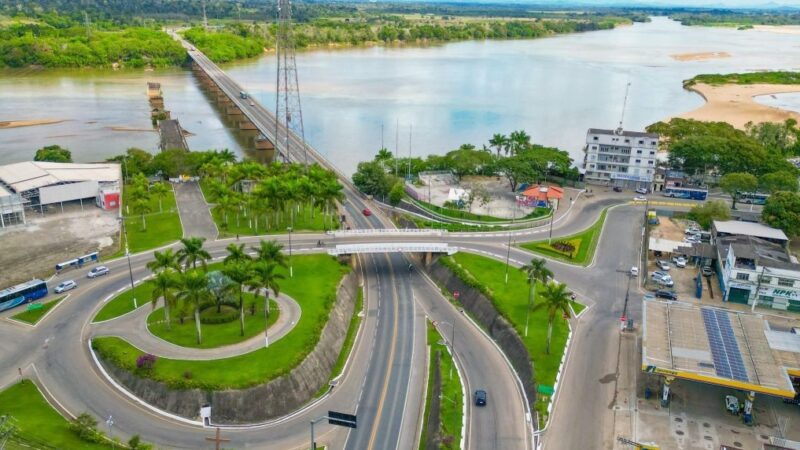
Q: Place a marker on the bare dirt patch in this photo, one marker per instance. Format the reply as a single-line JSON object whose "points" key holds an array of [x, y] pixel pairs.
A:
{"points": [[28, 123], [32, 250]]}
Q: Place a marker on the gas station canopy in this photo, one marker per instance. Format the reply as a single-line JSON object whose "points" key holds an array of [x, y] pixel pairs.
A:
{"points": [[718, 346]]}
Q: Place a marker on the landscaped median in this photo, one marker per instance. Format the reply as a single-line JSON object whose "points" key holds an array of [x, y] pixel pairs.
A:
{"points": [[291, 369], [123, 303], [33, 315], [576, 249], [479, 276], [444, 402]]}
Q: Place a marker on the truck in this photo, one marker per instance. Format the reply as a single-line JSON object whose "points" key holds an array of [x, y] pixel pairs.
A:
{"points": [[243, 95]]}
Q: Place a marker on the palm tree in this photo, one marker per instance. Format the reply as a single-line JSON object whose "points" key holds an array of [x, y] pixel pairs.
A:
{"points": [[265, 277], [519, 140], [194, 293], [160, 190], [164, 284], [270, 252], [239, 274], [556, 299], [220, 287], [536, 272], [225, 156], [141, 206], [164, 260], [225, 205], [236, 254], [498, 141], [192, 252]]}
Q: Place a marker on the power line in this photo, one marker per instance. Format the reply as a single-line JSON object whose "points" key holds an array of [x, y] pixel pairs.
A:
{"points": [[288, 111]]}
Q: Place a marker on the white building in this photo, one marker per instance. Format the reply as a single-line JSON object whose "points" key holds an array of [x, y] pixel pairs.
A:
{"points": [[753, 268], [39, 184], [620, 158]]}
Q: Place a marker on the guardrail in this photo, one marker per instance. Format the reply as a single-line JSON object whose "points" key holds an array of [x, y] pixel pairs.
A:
{"points": [[534, 222], [387, 232], [411, 247]]}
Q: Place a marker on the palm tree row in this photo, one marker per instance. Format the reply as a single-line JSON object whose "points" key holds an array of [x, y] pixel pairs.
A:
{"points": [[179, 282], [271, 194], [510, 144], [141, 191]]}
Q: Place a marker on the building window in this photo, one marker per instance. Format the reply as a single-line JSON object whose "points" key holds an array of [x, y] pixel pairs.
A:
{"points": [[627, 140], [652, 153], [651, 162], [595, 138], [638, 152], [638, 161], [741, 276], [785, 282], [652, 142], [594, 147], [641, 142], [765, 279]]}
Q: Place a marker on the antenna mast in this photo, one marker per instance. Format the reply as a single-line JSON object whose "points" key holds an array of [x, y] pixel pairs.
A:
{"points": [[288, 112], [624, 104]]}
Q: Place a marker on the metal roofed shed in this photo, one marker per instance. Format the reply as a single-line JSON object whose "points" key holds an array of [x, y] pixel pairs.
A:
{"points": [[736, 227], [656, 244], [717, 346]]}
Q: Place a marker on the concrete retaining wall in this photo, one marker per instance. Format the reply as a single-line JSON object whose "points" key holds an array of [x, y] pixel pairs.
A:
{"points": [[260, 403], [484, 312]]}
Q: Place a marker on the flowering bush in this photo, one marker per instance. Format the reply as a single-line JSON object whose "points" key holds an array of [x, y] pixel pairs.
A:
{"points": [[145, 361]]}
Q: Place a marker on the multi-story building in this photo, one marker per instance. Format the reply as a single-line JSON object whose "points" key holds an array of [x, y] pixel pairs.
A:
{"points": [[620, 158], [755, 269]]}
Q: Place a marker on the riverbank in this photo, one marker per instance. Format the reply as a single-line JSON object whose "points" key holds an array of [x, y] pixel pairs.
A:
{"points": [[735, 103], [780, 29]]}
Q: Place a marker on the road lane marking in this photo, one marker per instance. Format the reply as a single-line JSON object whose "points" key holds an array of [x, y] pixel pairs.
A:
{"points": [[390, 360]]}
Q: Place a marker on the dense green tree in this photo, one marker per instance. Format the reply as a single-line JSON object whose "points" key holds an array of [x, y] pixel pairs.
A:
{"points": [[535, 272], [53, 153], [396, 193], [782, 138], [706, 213], [467, 161], [193, 252], [782, 210], [371, 178], [778, 181], [736, 183]]}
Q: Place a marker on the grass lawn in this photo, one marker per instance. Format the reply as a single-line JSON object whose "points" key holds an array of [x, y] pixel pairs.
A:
{"points": [[123, 303], [37, 422], [246, 226], [214, 335], [32, 316], [452, 403], [313, 287], [511, 301], [162, 227], [585, 244]]}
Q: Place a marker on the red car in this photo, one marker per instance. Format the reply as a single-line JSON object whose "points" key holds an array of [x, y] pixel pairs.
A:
{"points": [[367, 212]]}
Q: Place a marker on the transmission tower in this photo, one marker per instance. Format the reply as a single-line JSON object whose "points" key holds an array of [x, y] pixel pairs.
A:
{"points": [[288, 113]]}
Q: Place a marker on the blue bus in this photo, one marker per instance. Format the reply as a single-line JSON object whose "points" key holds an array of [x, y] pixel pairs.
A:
{"points": [[752, 198], [688, 193], [22, 293]]}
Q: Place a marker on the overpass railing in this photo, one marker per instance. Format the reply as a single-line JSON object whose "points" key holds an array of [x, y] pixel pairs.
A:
{"points": [[349, 249]]}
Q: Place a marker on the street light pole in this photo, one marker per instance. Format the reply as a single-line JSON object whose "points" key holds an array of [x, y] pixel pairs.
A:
{"points": [[508, 254], [130, 268], [291, 272]]}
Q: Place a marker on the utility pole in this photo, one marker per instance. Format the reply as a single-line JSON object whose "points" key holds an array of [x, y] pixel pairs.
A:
{"points": [[508, 254], [396, 146], [408, 173], [624, 104], [288, 110]]}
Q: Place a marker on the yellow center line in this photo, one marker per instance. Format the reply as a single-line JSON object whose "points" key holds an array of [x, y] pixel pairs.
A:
{"points": [[377, 421]]}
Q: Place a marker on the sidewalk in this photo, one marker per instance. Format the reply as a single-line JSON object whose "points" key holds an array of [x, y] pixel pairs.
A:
{"points": [[195, 213], [133, 328]]}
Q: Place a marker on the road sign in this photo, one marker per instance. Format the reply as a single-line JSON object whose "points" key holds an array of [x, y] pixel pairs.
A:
{"points": [[342, 419], [456, 294]]}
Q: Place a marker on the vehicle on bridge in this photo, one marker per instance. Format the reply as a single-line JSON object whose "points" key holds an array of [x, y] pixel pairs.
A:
{"points": [[687, 193], [22, 293], [243, 95]]}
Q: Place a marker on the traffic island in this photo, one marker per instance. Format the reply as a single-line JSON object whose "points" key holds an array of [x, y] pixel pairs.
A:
{"points": [[260, 385]]}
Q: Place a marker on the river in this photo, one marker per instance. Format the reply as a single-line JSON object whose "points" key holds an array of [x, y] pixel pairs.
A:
{"points": [[442, 96]]}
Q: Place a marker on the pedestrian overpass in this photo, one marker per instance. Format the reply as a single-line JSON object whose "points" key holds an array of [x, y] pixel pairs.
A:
{"points": [[428, 248]]}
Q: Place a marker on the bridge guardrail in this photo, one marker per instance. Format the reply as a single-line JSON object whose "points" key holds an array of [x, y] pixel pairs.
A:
{"points": [[387, 232]]}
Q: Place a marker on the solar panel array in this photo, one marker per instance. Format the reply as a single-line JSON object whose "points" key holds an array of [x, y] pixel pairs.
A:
{"points": [[728, 361]]}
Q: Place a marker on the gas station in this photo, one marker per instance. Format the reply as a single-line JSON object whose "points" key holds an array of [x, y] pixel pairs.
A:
{"points": [[738, 350]]}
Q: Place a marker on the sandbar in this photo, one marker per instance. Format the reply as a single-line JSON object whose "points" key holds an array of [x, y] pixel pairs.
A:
{"points": [[780, 29], [734, 103], [27, 123], [700, 56]]}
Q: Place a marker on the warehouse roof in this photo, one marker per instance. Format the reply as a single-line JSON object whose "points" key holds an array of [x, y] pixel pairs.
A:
{"points": [[718, 346], [24, 176], [749, 229]]}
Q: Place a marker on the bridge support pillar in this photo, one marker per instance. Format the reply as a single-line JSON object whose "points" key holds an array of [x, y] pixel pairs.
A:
{"points": [[233, 110], [245, 124], [224, 99], [427, 259], [265, 147]]}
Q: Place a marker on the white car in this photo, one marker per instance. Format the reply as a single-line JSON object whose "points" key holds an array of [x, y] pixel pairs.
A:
{"points": [[642, 191], [640, 198], [98, 271], [663, 265], [65, 286], [679, 261], [634, 271]]}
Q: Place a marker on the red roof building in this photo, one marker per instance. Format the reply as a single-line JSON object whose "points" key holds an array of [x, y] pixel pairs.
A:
{"points": [[538, 195]]}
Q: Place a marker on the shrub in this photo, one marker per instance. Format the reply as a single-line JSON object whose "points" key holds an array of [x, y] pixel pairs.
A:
{"points": [[564, 247], [187, 374], [145, 361]]}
